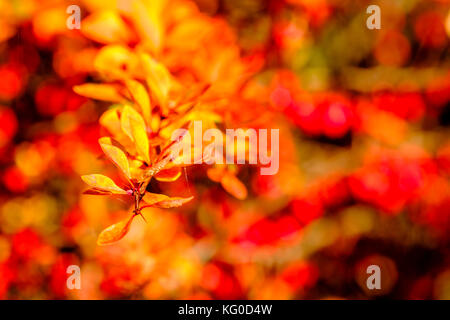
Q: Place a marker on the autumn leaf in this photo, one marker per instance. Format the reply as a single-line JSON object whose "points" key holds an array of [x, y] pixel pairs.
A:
{"points": [[152, 198], [172, 202], [234, 186], [134, 127], [158, 80], [158, 166], [97, 192], [106, 27], [115, 232], [140, 96], [228, 181], [117, 157], [111, 121], [155, 122], [103, 92], [156, 141], [166, 157], [194, 93], [162, 201], [168, 175], [216, 174], [114, 142], [147, 21], [208, 119], [174, 146], [128, 114], [195, 156], [115, 62], [103, 183]]}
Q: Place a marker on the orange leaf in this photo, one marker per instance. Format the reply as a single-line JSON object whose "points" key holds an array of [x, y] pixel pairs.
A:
{"points": [[168, 175], [104, 92], [173, 202], [102, 183], [215, 174], [174, 146], [106, 27], [165, 157], [134, 126], [195, 92], [115, 232], [97, 192], [157, 167], [234, 186], [162, 201], [116, 156], [152, 198]]}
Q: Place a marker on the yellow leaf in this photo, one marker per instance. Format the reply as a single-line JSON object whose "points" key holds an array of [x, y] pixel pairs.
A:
{"points": [[140, 96], [163, 201], [155, 122], [176, 145], [104, 92], [165, 157], [103, 183], [117, 157], [106, 140], [152, 198], [134, 127], [106, 27], [137, 173], [111, 121], [114, 232], [158, 166], [127, 114], [147, 21], [118, 144], [234, 186], [172, 202], [115, 62], [158, 80], [168, 175]]}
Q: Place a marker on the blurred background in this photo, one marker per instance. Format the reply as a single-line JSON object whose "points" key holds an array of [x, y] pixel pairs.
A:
{"points": [[364, 173]]}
